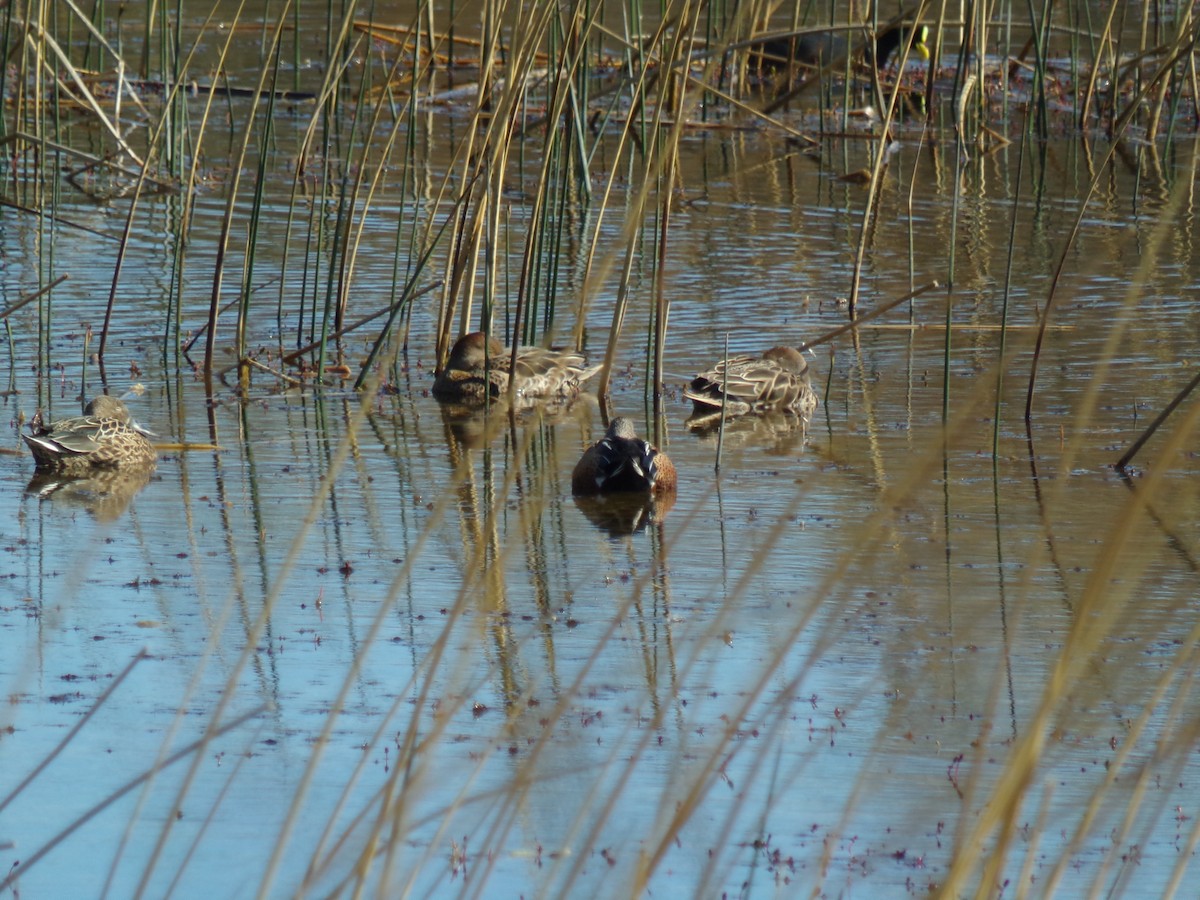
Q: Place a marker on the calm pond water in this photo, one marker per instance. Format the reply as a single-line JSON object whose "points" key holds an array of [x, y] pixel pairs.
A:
{"points": [[824, 659]]}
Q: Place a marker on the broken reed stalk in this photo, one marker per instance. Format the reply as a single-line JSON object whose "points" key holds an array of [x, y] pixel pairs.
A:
{"points": [[29, 298], [1128, 455], [873, 314]]}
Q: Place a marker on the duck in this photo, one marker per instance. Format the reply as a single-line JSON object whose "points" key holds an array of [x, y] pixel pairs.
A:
{"points": [[104, 437], [821, 48], [622, 463], [480, 368], [777, 380]]}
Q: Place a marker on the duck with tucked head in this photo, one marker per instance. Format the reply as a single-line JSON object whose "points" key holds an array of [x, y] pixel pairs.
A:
{"points": [[777, 380], [104, 437], [480, 369], [621, 462]]}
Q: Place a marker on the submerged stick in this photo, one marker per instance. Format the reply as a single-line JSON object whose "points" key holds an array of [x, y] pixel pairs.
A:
{"points": [[873, 314], [25, 301], [75, 729], [1154, 426], [97, 808], [290, 358]]}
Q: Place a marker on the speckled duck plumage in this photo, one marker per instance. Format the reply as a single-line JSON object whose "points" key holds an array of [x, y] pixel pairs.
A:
{"points": [[104, 437], [479, 370], [777, 380]]}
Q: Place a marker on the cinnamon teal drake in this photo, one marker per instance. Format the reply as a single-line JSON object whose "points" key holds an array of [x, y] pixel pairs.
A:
{"points": [[479, 370], [777, 380], [621, 462], [104, 437]]}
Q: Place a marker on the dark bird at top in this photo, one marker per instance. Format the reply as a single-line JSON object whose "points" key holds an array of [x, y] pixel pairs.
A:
{"points": [[822, 48]]}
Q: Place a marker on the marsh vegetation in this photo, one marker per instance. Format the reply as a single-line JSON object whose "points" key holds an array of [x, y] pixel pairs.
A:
{"points": [[350, 639]]}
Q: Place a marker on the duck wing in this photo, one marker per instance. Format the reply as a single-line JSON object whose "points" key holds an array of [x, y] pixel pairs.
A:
{"points": [[80, 435], [738, 381]]}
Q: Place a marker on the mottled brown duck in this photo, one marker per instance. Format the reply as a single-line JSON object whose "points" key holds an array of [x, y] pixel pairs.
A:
{"points": [[479, 371], [104, 437], [777, 380]]}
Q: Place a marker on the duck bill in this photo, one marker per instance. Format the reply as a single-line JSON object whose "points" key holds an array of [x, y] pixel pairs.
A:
{"points": [[919, 44]]}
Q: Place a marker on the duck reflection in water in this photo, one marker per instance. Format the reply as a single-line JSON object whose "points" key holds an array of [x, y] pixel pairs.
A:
{"points": [[105, 493], [775, 433], [477, 427], [625, 514]]}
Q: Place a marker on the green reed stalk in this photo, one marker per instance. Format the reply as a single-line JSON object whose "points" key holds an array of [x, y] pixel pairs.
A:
{"points": [[296, 58], [983, 47], [721, 427], [177, 136], [154, 144], [315, 229], [314, 240], [6, 37], [1008, 267], [333, 309], [682, 58], [460, 241], [555, 263], [252, 227], [350, 246], [407, 188], [1041, 30], [539, 266], [1179, 48], [578, 37], [534, 277], [524, 317], [342, 250], [329, 309], [235, 181], [947, 341]]}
